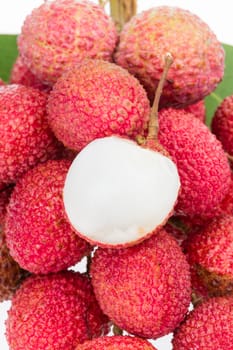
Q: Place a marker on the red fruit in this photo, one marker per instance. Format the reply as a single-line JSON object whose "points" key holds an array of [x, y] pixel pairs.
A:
{"points": [[5, 192], [198, 56], [60, 33], [207, 327], [198, 110], [20, 74], [96, 99], [38, 234], [144, 289], [210, 255], [2, 82], [56, 311], [202, 164], [222, 124], [116, 343], [25, 136]]}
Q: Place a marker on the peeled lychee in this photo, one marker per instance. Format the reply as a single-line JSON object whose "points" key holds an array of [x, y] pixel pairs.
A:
{"points": [[222, 124], [38, 234], [116, 343], [20, 74], [60, 33], [144, 289], [198, 56], [207, 327], [210, 255], [201, 161], [25, 136], [56, 311], [135, 186], [96, 99]]}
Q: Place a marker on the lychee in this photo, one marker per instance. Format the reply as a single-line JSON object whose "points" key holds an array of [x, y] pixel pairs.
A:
{"points": [[5, 192], [60, 33], [20, 74], [210, 255], [198, 109], [1, 82], [116, 343], [201, 161], [25, 136], [222, 124], [144, 289], [38, 234], [198, 55], [207, 327], [96, 99], [106, 176], [55, 311]]}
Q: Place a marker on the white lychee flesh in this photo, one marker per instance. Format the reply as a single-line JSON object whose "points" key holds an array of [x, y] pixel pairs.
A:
{"points": [[117, 192]]}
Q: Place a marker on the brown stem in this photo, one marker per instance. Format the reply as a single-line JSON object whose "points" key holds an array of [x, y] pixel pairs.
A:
{"points": [[116, 330], [122, 11], [154, 120]]}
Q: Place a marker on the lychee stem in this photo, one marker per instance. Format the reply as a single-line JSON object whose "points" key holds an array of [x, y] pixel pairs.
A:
{"points": [[116, 330], [122, 11], [154, 119]]}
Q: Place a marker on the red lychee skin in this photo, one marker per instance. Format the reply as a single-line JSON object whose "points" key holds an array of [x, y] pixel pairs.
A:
{"points": [[144, 289], [201, 161], [198, 56], [38, 235], [63, 32], [222, 124], [11, 275], [198, 110], [25, 136], [96, 99], [209, 252], [20, 74], [55, 311], [116, 343], [207, 327]]}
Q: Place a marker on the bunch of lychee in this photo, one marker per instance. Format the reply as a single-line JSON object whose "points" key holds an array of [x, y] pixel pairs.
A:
{"points": [[105, 159]]}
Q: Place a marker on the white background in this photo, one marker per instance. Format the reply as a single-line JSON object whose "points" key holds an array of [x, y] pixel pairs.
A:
{"points": [[217, 14]]}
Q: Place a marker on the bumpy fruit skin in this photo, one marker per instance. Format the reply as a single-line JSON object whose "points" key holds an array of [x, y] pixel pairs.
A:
{"points": [[198, 110], [202, 164], [116, 343], [11, 275], [20, 74], [25, 136], [198, 56], [144, 289], [62, 32], [39, 236], [222, 124], [207, 327], [209, 253], [56, 311], [96, 99]]}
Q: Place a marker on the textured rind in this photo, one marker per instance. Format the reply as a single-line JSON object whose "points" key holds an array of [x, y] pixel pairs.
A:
{"points": [[202, 164], [198, 56], [59, 33], [20, 74], [11, 275], [96, 99], [144, 289], [25, 136], [209, 253], [222, 124], [56, 311], [207, 327], [116, 343], [198, 110], [38, 235]]}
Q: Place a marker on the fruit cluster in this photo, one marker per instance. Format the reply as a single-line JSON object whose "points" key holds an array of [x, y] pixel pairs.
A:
{"points": [[105, 159]]}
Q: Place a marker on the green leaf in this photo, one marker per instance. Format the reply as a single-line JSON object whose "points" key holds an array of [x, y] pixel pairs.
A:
{"points": [[8, 54], [224, 89]]}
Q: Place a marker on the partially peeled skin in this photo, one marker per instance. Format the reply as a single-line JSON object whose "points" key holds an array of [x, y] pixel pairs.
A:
{"points": [[117, 193]]}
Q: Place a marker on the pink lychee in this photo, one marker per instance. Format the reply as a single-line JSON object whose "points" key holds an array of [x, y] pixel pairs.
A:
{"points": [[38, 234]]}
